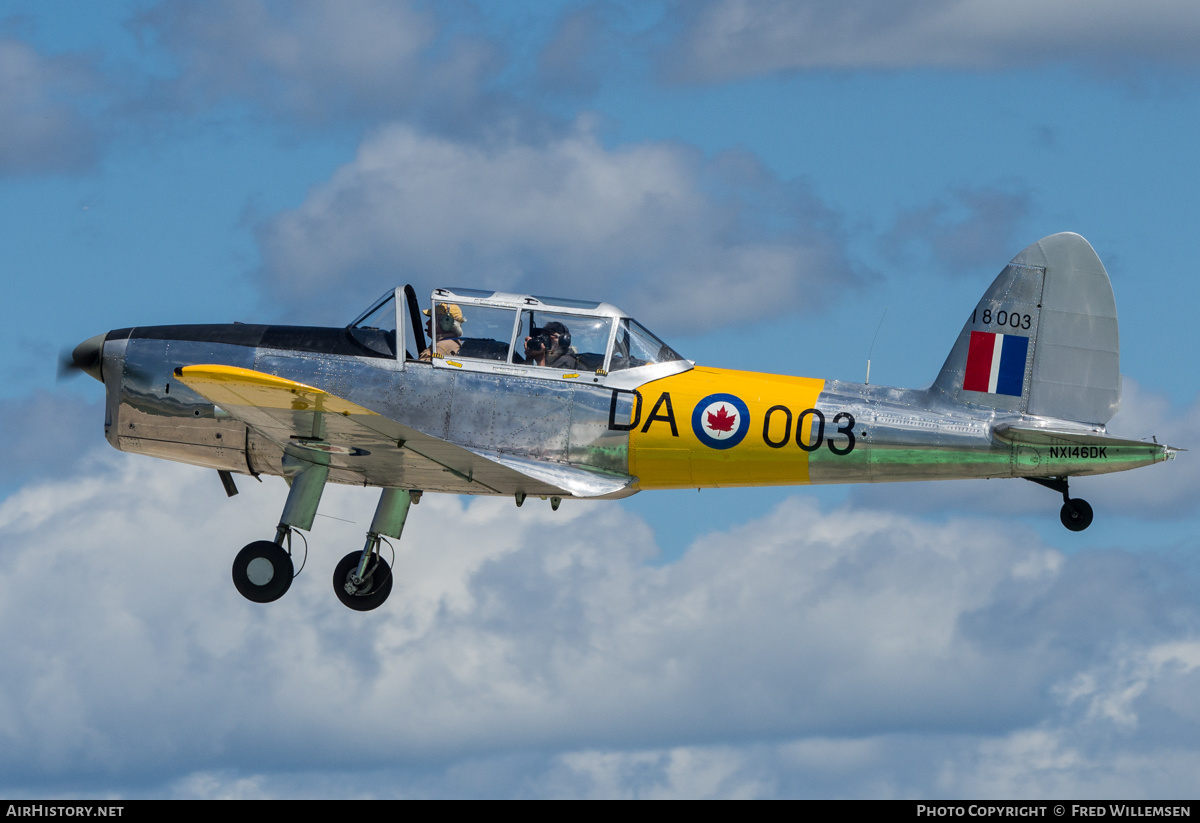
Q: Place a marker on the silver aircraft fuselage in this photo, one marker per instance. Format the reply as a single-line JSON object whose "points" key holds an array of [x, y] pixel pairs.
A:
{"points": [[525, 396], [896, 434]]}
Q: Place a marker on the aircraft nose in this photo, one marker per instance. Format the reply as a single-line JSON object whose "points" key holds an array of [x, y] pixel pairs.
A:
{"points": [[87, 356]]}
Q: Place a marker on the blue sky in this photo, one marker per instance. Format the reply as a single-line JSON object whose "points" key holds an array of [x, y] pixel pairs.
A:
{"points": [[756, 181]]}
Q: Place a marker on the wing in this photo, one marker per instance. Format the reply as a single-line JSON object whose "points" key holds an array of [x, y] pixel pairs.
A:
{"points": [[363, 446]]}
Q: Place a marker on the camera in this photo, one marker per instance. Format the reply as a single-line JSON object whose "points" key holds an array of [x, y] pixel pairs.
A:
{"points": [[539, 342]]}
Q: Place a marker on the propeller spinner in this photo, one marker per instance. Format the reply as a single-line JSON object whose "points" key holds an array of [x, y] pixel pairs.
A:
{"points": [[84, 358]]}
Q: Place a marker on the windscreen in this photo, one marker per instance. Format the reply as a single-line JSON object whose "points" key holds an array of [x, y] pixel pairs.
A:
{"points": [[377, 330], [635, 346]]}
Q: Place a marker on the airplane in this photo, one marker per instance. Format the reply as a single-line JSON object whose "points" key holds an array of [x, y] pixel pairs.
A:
{"points": [[528, 396]]}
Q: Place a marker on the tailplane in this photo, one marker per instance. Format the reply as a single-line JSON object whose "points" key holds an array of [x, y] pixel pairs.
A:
{"points": [[1043, 339]]}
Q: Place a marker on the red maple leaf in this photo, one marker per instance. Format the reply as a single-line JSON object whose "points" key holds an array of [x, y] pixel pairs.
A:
{"points": [[722, 421]]}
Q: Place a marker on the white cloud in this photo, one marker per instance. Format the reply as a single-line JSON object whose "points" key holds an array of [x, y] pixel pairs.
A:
{"points": [[1168, 489], [653, 227], [531, 652], [320, 61], [969, 230], [573, 59], [728, 39], [1136, 674], [53, 430], [1055, 763], [685, 772], [41, 106]]}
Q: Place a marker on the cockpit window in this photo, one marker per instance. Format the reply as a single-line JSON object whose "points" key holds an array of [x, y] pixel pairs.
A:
{"points": [[376, 330], [562, 341], [635, 347], [465, 330]]}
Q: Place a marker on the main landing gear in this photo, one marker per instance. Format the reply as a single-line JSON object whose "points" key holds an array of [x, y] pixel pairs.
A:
{"points": [[1076, 513], [363, 580], [263, 570]]}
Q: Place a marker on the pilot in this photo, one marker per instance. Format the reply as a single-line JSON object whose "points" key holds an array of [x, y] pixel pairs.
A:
{"points": [[449, 330], [551, 346]]}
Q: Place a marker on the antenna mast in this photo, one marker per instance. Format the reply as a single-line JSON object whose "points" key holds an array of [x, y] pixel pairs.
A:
{"points": [[872, 349]]}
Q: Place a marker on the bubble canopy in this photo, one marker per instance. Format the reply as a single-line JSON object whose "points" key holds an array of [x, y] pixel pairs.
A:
{"points": [[514, 329]]}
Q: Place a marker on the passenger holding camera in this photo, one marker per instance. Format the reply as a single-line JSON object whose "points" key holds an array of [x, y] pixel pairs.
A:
{"points": [[551, 346]]}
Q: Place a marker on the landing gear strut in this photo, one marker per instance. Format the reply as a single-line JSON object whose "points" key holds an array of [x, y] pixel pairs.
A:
{"points": [[1076, 513], [363, 580], [263, 570], [363, 590]]}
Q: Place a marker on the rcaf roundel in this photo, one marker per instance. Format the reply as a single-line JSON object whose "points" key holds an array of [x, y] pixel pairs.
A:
{"points": [[721, 421], [330, 448]]}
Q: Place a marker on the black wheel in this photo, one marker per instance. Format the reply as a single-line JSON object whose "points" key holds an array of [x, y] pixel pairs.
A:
{"points": [[371, 593], [262, 571], [1076, 514]]}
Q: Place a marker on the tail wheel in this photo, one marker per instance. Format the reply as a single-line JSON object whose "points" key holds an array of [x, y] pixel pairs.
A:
{"points": [[262, 571], [1076, 514], [371, 591]]}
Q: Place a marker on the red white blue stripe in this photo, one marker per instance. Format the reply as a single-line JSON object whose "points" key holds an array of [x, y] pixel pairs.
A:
{"points": [[996, 363]]}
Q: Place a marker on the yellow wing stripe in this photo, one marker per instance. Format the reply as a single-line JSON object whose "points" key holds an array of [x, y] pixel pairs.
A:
{"points": [[233, 386]]}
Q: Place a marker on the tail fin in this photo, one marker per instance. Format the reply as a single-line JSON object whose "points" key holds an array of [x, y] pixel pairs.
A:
{"points": [[1043, 339]]}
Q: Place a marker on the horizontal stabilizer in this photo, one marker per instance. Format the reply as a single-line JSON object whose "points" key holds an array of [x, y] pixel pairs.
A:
{"points": [[1030, 436], [1043, 452]]}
